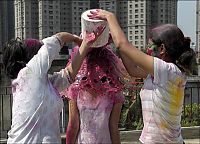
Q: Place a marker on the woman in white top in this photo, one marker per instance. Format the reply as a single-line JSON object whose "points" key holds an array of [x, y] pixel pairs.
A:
{"points": [[165, 66], [36, 101]]}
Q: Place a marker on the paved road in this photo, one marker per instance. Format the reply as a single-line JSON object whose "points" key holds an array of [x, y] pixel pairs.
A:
{"points": [[187, 141]]}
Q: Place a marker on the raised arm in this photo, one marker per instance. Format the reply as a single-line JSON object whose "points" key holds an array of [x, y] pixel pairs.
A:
{"points": [[132, 69], [88, 40], [121, 42], [65, 77], [65, 37], [50, 49]]}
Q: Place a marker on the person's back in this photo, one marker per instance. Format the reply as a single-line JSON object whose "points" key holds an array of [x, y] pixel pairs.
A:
{"points": [[36, 105], [162, 100], [97, 90], [32, 96], [94, 114], [36, 100]]}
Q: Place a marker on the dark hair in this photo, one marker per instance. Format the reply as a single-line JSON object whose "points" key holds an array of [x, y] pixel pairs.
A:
{"points": [[17, 53], [177, 46]]}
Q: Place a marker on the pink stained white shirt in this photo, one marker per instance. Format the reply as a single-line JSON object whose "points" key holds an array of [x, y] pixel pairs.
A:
{"points": [[36, 102], [162, 100], [94, 114]]}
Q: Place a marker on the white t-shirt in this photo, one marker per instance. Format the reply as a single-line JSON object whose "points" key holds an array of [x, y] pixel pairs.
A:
{"points": [[162, 100], [36, 102]]}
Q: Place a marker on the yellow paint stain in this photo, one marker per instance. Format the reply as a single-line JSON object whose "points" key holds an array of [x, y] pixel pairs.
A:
{"points": [[163, 125], [176, 96]]}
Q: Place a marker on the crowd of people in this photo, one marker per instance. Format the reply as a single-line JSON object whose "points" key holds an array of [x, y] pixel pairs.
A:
{"points": [[91, 83]]}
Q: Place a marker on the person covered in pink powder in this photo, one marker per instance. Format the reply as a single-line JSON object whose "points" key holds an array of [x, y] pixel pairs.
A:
{"points": [[95, 98]]}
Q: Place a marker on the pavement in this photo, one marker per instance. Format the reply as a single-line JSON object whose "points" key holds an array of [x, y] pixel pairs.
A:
{"points": [[187, 141], [191, 135]]}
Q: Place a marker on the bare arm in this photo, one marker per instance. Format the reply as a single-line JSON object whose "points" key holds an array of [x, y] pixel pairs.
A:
{"points": [[113, 123], [65, 37], [73, 124], [88, 40], [131, 52], [73, 68], [132, 69]]}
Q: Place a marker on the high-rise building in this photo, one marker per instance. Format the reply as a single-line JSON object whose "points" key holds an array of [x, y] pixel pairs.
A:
{"points": [[6, 29], [198, 32], [6, 21], [136, 17], [26, 19]]}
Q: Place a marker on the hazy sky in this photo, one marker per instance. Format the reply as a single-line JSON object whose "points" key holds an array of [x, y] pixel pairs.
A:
{"points": [[186, 18]]}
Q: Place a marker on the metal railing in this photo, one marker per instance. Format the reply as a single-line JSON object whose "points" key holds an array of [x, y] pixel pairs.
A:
{"points": [[191, 108]]}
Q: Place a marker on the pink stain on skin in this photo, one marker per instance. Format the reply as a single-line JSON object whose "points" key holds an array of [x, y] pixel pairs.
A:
{"points": [[90, 37], [70, 133]]}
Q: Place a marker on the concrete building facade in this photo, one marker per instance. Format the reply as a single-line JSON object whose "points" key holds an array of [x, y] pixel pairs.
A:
{"points": [[139, 16], [26, 19], [6, 31], [136, 17], [198, 33]]}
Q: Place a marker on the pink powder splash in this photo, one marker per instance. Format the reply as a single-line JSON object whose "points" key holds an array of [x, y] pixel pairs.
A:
{"points": [[100, 73]]}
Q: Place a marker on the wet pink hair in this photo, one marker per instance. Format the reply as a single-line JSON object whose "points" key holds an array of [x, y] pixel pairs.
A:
{"points": [[100, 73]]}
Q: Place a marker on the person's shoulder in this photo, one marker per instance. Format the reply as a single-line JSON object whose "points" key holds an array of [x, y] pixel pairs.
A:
{"points": [[169, 66]]}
